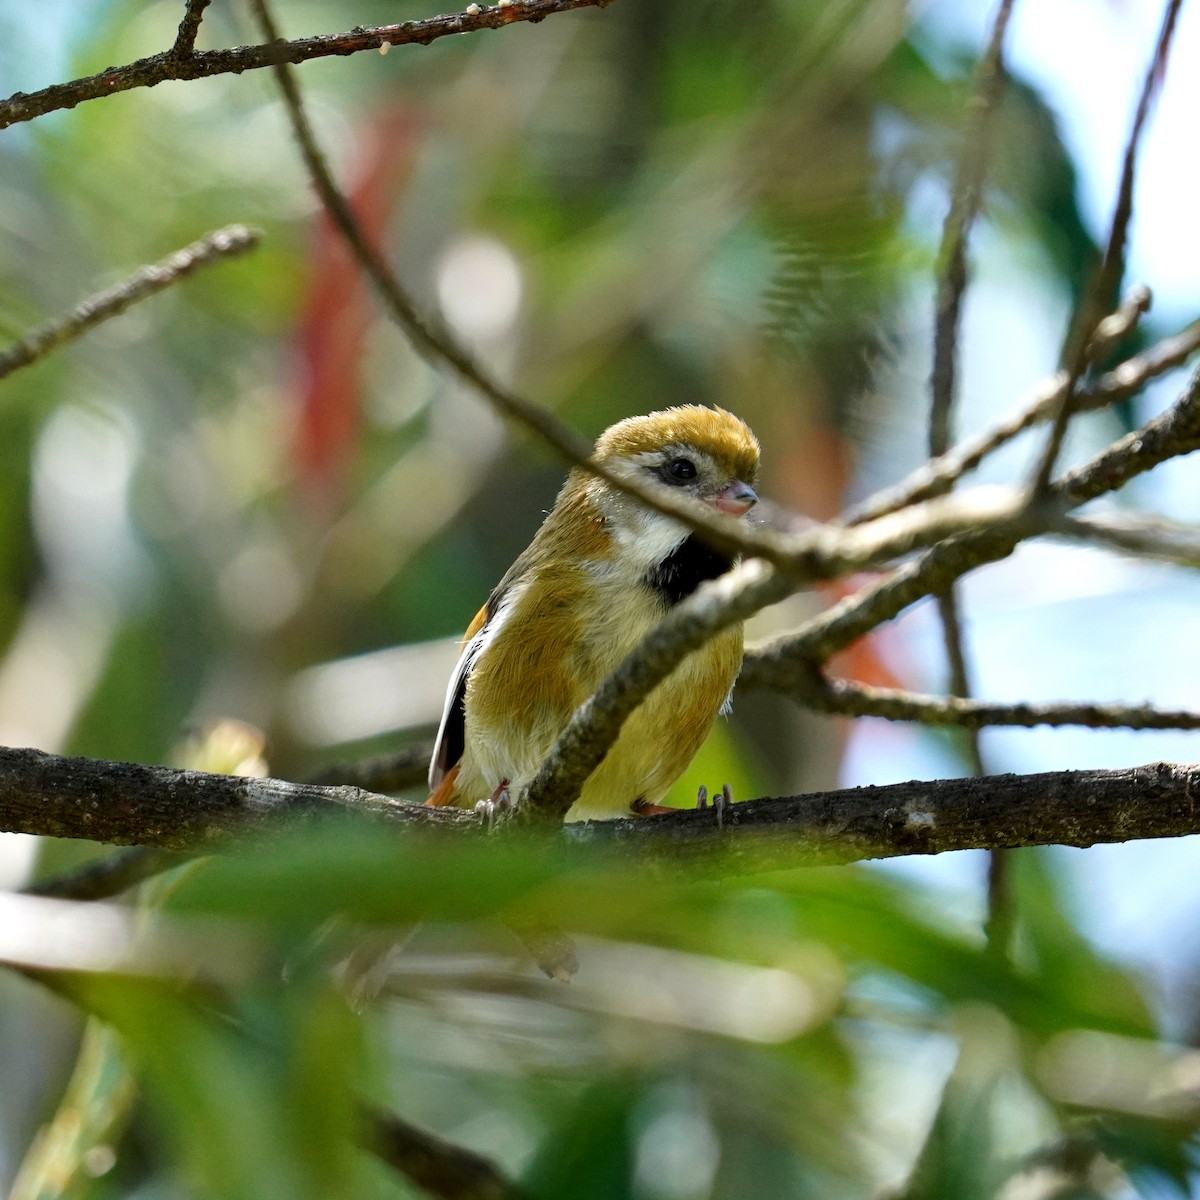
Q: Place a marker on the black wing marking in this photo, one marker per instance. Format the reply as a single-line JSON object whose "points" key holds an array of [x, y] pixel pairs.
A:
{"points": [[452, 732]]}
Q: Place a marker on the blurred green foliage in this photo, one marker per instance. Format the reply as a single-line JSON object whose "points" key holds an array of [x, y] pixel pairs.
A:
{"points": [[697, 201]]}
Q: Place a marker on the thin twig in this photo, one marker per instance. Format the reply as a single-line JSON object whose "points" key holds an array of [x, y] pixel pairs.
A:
{"points": [[964, 207], [938, 475], [952, 278], [1099, 297], [442, 1168], [158, 68], [1143, 537], [786, 660], [812, 555], [146, 281], [846, 698], [384, 773], [189, 27], [433, 342], [109, 877], [959, 670]]}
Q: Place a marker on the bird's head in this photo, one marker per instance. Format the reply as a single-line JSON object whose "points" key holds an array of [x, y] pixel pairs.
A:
{"points": [[706, 453]]}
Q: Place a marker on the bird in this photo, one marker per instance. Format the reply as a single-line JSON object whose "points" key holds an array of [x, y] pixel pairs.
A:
{"points": [[601, 572]]}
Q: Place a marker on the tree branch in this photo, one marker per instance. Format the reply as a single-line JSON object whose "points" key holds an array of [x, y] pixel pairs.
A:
{"points": [[1063, 808], [127, 804], [850, 699], [393, 772], [784, 662], [440, 1167], [145, 281], [158, 806], [938, 475], [964, 206], [189, 27], [158, 68], [109, 877], [1080, 350]]}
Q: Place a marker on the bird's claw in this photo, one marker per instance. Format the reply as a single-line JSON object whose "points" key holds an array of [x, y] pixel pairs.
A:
{"points": [[498, 803], [720, 802]]}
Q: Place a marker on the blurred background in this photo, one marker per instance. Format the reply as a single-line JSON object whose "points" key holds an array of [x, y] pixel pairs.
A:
{"points": [[248, 498]]}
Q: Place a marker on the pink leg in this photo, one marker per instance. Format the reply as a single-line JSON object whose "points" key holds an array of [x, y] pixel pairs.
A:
{"points": [[498, 802]]}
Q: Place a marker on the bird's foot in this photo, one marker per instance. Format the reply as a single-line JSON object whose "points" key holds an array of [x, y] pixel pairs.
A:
{"points": [[721, 802], [498, 803], [640, 808]]}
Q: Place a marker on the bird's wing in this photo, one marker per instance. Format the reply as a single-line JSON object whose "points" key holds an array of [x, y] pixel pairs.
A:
{"points": [[451, 734]]}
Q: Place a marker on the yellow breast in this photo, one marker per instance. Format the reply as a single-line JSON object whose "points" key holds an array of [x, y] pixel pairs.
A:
{"points": [[562, 634]]}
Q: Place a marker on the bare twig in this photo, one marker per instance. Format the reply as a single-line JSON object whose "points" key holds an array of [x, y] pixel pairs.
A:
{"points": [[828, 551], [964, 206], [441, 1168], [938, 475], [1080, 346], [1119, 323], [146, 281], [1134, 373], [952, 278], [436, 344], [959, 668], [893, 704], [785, 661], [109, 877], [1144, 537], [158, 68], [189, 27], [384, 773]]}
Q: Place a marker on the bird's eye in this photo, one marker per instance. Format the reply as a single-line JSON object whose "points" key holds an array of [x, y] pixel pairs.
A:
{"points": [[681, 469]]}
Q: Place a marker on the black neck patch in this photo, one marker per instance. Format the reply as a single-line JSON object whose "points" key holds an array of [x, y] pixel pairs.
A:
{"points": [[685, 569]]}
